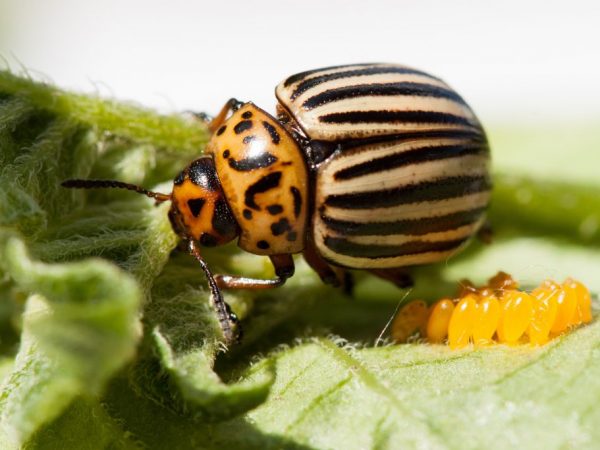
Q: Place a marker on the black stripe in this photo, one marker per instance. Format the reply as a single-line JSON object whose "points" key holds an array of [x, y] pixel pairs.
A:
{"points": [[381, 89], [429, 117], [302, 75], [257, 162], [475, 135], [297, 200], [415, 156], [242, 126], [414, 227], [376, 70], [266, 183], [272, 132], [346, 247], [440, 189]]}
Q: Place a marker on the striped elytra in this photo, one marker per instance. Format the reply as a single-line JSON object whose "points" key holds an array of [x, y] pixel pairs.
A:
{"points": [[408, 180], [365, 100], [366, 166]]}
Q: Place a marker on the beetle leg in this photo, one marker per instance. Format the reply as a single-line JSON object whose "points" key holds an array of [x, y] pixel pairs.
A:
{"points": [[284, 269], [201, 116], [486, 233], [400, 277], [213, 123], [231, 105], [334, 276], [348, 283], [227, 319]]}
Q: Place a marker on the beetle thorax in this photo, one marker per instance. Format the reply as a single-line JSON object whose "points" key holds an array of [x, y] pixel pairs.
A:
{"points": [[265, 180]]}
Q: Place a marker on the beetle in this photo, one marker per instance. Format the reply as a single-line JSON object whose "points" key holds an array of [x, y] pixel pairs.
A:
{"points": [[366, 166]]}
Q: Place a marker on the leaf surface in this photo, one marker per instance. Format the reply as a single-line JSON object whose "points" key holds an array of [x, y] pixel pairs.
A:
{"points": [[108, 339]]}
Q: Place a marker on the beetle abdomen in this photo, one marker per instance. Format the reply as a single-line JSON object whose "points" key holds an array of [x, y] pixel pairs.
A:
{"points": [[407, 181], [366, 100], [402, 202]]}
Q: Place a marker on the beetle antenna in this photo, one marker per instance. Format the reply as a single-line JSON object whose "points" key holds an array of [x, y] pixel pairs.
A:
{"points": [[92, 184], [227, 319]]}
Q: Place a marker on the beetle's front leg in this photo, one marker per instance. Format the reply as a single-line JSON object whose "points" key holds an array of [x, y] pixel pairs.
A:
{"points": [[231, 105], [227, 319], [284, 269]]}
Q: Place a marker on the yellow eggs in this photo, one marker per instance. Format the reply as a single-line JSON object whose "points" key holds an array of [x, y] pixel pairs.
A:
{"points": [[497, 313], [462, 322], [516, 311], [486, 321], [439, 319], [409, 320]]}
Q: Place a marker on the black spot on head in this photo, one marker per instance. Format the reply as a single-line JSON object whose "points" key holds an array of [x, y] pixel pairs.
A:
{"points": [[272, 132], [223, 221], [275, 209], [247, 115], [202, 172], [263, 245], [242, 126], [195, 205], [221, 130], [280, 227], [179, 179], [208, 240], [292, 236], [247, 214], [266, 183], [226, 154], [248, 139], [297, 200], [286, 163]]}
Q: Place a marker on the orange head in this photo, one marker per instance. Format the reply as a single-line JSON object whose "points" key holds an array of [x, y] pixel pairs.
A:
{"points": [[198, 207]]}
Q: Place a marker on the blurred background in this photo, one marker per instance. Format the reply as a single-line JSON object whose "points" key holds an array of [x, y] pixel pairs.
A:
{"points": [[514, 61]]}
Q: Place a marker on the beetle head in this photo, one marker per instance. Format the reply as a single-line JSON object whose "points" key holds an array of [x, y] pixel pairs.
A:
{"points": [[199, 209]]}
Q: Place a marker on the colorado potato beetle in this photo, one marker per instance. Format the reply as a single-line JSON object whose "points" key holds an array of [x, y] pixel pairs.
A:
{"points": [[366, 166]]}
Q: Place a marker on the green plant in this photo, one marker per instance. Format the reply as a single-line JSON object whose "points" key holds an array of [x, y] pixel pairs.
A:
{"points": [[107, 338]]}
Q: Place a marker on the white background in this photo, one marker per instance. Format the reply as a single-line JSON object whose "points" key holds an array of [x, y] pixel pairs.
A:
{"points": [[514, 61]]}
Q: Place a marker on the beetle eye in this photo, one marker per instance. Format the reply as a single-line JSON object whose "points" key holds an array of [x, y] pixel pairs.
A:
{"points": [[208, 240]]}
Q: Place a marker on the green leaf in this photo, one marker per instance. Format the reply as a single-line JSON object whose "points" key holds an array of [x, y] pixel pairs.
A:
{"points": [[79, 328], [108, 338], [181, 327]]}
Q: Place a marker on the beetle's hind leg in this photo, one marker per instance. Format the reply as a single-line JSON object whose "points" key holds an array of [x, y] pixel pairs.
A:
{"points": [[335, 276], [400, 277], [486, 233], [284, 269]]}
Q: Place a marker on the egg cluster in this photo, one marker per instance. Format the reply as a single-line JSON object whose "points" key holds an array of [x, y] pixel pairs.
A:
{"points": [[497, 312]]}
